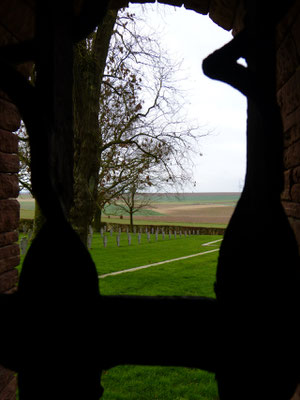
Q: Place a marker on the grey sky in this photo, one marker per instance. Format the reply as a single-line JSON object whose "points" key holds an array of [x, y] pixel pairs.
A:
{"points": [[216, 106]]}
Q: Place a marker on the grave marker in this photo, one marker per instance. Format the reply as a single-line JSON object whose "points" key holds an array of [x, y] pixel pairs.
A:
{"points": [[89, 241], [23, 245], [29, 234]]}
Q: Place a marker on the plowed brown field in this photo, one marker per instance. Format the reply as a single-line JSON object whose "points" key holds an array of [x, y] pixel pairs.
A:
{"points": [[189, 213]]}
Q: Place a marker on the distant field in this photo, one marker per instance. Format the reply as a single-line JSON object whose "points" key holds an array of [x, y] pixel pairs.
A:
{"points": [[113, 210], [193, 209], [27, 207], [196, 198]]}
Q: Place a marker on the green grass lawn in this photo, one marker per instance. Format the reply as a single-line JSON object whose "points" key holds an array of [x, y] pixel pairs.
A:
{"points": [[161, 383], [190, 277], [113, 258]]}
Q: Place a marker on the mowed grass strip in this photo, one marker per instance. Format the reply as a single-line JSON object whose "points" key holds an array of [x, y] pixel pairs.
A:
{"points": [[191, 277], [114, 258]]}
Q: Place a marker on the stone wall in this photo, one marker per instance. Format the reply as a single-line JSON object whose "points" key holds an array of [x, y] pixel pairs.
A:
{"points": [[288, 84], [16, 23], [9, 218], [9, 190]]}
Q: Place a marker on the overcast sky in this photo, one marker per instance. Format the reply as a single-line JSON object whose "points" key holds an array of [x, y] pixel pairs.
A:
{"points": [[215, 106]]}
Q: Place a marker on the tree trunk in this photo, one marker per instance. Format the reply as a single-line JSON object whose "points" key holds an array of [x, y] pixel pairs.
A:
{"points": [[131, 219], [97, 219], [89, 65]]}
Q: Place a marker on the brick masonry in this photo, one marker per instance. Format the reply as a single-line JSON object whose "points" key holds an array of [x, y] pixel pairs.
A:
{"points": [[9, 217], [9, 211], [288, 84]]}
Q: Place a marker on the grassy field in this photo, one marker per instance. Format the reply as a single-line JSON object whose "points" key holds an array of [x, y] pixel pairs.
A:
{"points": [[114, 258], [113, 210], [190, 277], [194, 276], [27, 208], [197, 198]]}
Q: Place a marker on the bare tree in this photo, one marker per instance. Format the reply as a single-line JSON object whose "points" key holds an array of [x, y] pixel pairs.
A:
{"points": [[143, 129], [132, 201], [24, 158], [129, 121]]}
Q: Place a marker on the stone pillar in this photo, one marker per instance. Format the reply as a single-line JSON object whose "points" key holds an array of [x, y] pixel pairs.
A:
{"points": [[16, 24], [9, 218]]}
